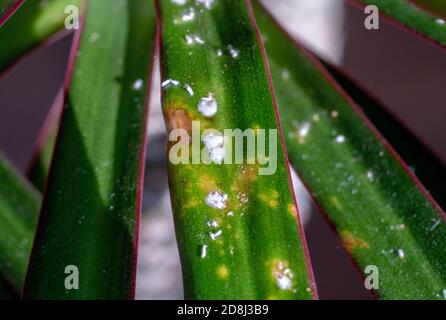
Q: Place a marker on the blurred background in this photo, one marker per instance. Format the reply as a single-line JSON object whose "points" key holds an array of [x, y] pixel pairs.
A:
{"points": [[403, 73]]}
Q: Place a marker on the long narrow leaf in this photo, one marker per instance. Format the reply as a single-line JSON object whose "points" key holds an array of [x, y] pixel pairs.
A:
{"points": [[422, 162], [236, 227], [383, 215], [413, 16], [19, 206], [89, 218], [32, 24]]}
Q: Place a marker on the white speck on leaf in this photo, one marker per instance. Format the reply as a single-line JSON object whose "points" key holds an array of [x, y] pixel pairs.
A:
{"points": [[203, 252], [340, 139], [137, 85], [208, 106], [215, 235], [304, 129], [213, 224], [401, 253], [435, 224], [217, 155], [285, 74], [213, 140], [94, 37], [189, 89], [170, 82], [188, 15], [217, 200], [233, 51], [284, 277], [207, 3]]}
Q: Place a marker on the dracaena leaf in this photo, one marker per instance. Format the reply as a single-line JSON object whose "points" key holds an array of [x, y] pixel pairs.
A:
{"points": [[420, 159], [236, 227], [384, 217], [19, 206], [89, 216], [31, 25]]}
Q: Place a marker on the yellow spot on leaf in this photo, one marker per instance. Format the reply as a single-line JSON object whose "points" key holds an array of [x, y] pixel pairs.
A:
{"points": [[223, 272], [207, 184], [292, 209], [270, 198], [335, 202], [351, 243], [191, 203]]}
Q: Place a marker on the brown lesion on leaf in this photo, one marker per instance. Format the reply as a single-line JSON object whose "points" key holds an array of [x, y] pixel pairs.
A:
{"points": [[244, 178], [178, 118], [242, 184], [351, 243]]}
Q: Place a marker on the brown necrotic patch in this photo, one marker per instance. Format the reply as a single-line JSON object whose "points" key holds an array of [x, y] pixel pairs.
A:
{"points": [[178, 119], [351, 243]]}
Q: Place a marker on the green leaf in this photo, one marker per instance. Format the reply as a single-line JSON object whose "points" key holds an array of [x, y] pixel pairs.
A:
{"points": [[382, 214], [422, 162], [19, 205], [437, 7], [7, 8], [90, 211], [415, 17], [33, 23], [248, 244]]}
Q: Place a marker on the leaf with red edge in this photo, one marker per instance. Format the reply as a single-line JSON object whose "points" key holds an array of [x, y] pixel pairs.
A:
{"points": [[387, 221], [90, 212], [238, 229]]}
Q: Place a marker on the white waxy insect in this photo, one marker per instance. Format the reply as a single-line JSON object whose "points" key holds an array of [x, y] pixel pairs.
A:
{"points": [[340, 139], [217, 200], [208, 106], [215, 235], [137, 85], [203, 252]]}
